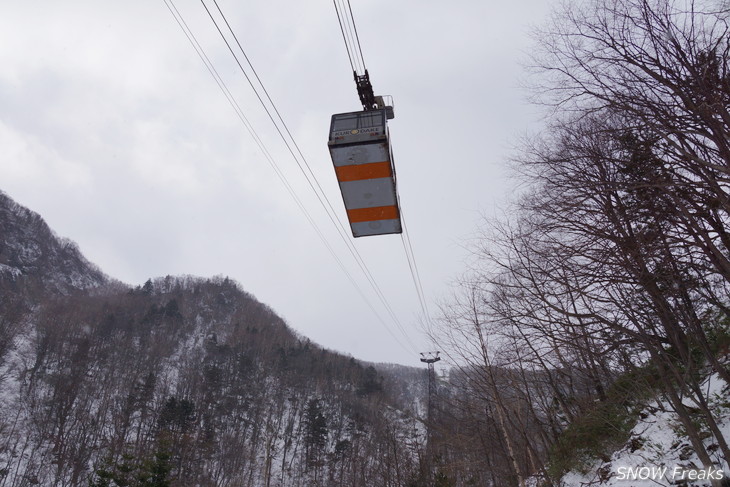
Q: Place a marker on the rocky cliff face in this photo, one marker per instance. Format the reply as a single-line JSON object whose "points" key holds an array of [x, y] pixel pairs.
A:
{"points": [[33, 258]]}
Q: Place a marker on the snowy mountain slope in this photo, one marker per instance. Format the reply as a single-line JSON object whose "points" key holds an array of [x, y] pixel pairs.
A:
{"points": [[32, 256], [101, 384]]}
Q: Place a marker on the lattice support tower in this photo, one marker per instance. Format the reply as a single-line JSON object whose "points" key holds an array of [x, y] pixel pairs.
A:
{"points": [[430, 358]]}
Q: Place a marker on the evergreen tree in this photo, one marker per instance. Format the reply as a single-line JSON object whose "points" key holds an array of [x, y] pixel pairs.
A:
{"points": [[148, 288], [316, 431], [131, 472]]}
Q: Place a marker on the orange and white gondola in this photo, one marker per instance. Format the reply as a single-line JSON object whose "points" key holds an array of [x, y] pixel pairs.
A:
{"points": [[360, 148]]}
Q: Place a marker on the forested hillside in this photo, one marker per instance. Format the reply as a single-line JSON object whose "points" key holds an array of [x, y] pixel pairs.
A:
{"points": [[181, 381], [597, 306]]}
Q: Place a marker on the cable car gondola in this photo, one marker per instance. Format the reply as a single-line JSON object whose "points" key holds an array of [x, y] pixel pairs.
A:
{"points": [[360, 148]]}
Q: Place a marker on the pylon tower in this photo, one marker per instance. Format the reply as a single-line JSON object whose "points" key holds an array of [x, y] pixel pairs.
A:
{"points": [[430, 358]]}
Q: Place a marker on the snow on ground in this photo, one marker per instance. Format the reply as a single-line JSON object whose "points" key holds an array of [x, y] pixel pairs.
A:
{"points": [[14, 365], [13, 272], [657, 454]]}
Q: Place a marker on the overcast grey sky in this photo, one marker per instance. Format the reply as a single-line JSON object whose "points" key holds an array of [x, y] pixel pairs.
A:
{"points": [[114, 131]]}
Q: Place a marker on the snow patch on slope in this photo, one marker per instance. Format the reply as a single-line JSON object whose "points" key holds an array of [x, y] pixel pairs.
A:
{"points": [[657, 454], [7, 270], [14, 369]]}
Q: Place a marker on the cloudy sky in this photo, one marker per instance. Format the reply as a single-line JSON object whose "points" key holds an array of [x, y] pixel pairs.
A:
{"points": [[114, 131]]}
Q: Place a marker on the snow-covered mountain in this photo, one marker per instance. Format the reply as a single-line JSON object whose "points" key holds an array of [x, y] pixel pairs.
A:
{"points": [[34, 258], [180, 382]]}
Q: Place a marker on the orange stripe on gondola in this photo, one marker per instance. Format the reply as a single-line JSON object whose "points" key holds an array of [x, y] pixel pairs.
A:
{"points": [[359, 172], [372, 214]]}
